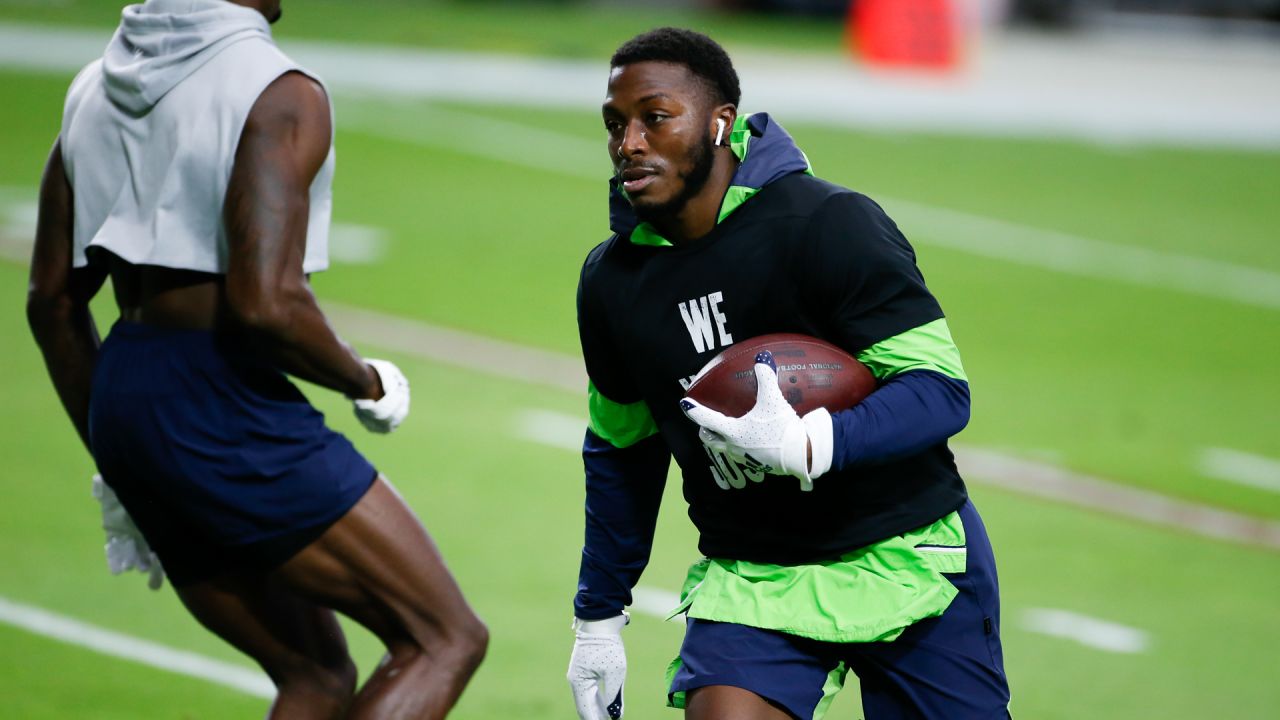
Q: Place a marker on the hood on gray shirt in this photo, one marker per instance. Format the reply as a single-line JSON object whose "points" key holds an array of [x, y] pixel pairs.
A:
{"points": [[160, 42]]}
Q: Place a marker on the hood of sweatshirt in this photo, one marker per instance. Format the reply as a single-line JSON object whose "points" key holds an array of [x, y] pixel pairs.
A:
{"points": [[766, 153], [160, 42]]}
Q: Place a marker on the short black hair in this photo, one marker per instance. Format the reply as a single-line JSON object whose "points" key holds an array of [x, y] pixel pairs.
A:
{"points": [[703, 56]]}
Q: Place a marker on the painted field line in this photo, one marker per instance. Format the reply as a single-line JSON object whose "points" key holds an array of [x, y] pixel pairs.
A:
{"points": [[576, 157], [1088, 631], [1104, 92], [1025, 477], [1241, 468], [1046, 481], [653, 601], [82, 634], [459, 348]]}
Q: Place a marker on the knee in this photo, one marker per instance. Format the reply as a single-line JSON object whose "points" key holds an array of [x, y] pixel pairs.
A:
{"points": [[471, 641]]}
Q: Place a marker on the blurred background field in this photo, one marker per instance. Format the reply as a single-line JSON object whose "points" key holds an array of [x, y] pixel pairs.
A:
{"points": [[1092, 189]]}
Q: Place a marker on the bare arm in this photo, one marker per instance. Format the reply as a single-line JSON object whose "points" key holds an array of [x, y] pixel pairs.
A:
{"points": [[284, 143], [58, 297]]}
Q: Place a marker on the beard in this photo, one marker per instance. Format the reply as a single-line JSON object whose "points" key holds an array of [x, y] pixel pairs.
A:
{"points": [[701, 157]]}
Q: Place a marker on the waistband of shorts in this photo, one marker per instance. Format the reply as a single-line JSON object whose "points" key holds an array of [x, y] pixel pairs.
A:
{"points": [[128, 329]]}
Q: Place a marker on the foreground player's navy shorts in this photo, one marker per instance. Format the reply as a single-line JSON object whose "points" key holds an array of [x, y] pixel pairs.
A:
{"points": [[219, 459], [948, 667]]}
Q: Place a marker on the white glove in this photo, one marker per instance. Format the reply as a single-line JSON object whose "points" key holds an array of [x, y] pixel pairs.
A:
{"points": [[598, 668], [771, 437], [126, 548], [385, 414]]}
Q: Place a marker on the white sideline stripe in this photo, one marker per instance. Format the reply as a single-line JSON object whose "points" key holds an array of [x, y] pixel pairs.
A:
{"points": [[1026, 477], [1103, 92], [573, 156], [1241, 467], [68, 630], [1088, 631]]}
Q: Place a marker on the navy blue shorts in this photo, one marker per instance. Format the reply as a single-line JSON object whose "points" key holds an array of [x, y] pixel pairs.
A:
{"points": [[949, 667], [220, 460]]}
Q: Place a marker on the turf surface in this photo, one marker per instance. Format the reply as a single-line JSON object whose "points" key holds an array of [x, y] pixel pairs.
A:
{"points": [[1119, 380]]}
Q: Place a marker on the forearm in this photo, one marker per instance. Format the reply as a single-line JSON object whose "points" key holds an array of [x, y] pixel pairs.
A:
{"points": [[68, 340], [299, 339], [910, 412], [624, 492]]}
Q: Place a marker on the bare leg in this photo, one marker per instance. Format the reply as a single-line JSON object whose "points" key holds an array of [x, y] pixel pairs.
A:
{"points": [[379, 566], [725, 702], [297, 643]]}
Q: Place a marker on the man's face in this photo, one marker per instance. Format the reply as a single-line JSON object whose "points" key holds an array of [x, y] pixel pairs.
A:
{"points": [[658, 118]]}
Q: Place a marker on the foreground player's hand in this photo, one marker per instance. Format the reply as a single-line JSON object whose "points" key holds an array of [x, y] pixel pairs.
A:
{"points": [[387, 412], [771, 437], [598, 668], [126, 548]]}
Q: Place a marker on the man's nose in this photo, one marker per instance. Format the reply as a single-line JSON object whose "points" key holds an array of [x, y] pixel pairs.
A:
{"points": [[633, 141]]}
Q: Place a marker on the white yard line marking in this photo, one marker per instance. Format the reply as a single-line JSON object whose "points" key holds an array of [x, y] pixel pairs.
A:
{"points": [[554, 429], [1025, 477], [1038, 479], [573, 156], [653, 601], [74, 632], [460, 349], [1104, 92], [18, 213], [1074, 255], [356, 244], [1241, 467], [1088, 631]]}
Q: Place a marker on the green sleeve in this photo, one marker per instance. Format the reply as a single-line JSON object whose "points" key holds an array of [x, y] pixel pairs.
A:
{"points": [[927, 347]]}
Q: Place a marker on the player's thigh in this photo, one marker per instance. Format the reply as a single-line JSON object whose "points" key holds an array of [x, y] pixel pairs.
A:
{"points": [[379, 565], [725, 702], [291, 637], [726, 670]]}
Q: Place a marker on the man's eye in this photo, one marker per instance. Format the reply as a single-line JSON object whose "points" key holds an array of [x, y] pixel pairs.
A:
{"points": [[612, 126], [655, 118]]}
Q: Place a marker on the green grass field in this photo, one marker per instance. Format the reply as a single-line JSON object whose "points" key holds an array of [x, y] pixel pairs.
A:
{"points": [[1117, 380]]}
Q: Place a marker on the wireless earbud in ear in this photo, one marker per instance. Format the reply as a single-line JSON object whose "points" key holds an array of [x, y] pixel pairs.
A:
{"points": [[719, 130]]}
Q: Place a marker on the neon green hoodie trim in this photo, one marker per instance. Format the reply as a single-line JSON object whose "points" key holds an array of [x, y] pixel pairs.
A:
{"points": [[928, 347], [621, 425]]}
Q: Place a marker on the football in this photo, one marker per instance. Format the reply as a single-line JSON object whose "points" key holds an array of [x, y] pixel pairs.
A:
{"points": [[812, 373]]}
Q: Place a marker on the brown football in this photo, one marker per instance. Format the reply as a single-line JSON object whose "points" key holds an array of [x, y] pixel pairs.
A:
{"points": [[812, 373]]}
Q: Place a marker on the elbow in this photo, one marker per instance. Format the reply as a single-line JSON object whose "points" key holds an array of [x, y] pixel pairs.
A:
{"points": [[46, 310], [258, 313], [960, 408]]}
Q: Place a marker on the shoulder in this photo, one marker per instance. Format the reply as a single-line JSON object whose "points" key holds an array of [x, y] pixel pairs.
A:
{"points": [[88, 77], [602, 261], [292, 101], [798, 195]]}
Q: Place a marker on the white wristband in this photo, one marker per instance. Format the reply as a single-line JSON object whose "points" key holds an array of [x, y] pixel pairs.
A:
{"points": [[817, 425]]}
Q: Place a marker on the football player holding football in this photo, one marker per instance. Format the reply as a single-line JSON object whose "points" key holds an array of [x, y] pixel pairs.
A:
{"points": [[863, 552]]}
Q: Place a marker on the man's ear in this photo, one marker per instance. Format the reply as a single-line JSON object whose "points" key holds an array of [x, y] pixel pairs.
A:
{"points": [[724, 118]]}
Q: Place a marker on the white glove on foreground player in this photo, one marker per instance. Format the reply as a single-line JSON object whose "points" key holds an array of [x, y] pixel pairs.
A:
{"points": [[386, 413], [771, 437], [126, 548], [598, 667]]}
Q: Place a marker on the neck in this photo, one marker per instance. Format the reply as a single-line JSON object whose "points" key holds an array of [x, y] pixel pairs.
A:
{"points": [[698, 216]]}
